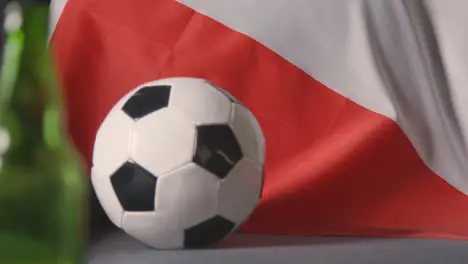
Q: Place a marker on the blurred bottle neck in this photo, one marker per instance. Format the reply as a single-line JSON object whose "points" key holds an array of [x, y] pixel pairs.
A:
{"points": [[25, 50], [30, 103]]}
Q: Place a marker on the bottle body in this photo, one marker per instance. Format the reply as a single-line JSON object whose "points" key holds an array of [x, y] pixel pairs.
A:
{"points": [[42, 186], [41, 216]]}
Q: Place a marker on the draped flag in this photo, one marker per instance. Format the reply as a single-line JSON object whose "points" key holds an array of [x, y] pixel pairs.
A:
{"points": [[363, 103]]}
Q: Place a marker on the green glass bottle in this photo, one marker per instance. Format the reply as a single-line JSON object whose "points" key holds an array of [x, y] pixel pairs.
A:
{"points": [[42, 186]]}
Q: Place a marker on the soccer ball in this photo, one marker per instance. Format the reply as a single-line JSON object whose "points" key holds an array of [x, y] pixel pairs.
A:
{"points": [[178, 163]]}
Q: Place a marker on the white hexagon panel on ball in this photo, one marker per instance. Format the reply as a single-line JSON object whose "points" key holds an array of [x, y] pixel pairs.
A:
{"points": [[178, 163]]}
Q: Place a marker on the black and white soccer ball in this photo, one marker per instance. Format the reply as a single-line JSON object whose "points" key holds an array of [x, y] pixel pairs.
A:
{"points": [[178, 163]]}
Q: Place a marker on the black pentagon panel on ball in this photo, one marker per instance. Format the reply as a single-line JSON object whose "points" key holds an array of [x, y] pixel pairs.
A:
{"points": [[217, 150], [135, 187], [208, 232], [147, 100]]}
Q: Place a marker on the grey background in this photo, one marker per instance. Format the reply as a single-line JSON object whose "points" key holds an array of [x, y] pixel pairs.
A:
{"points": [[115, 247]]}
